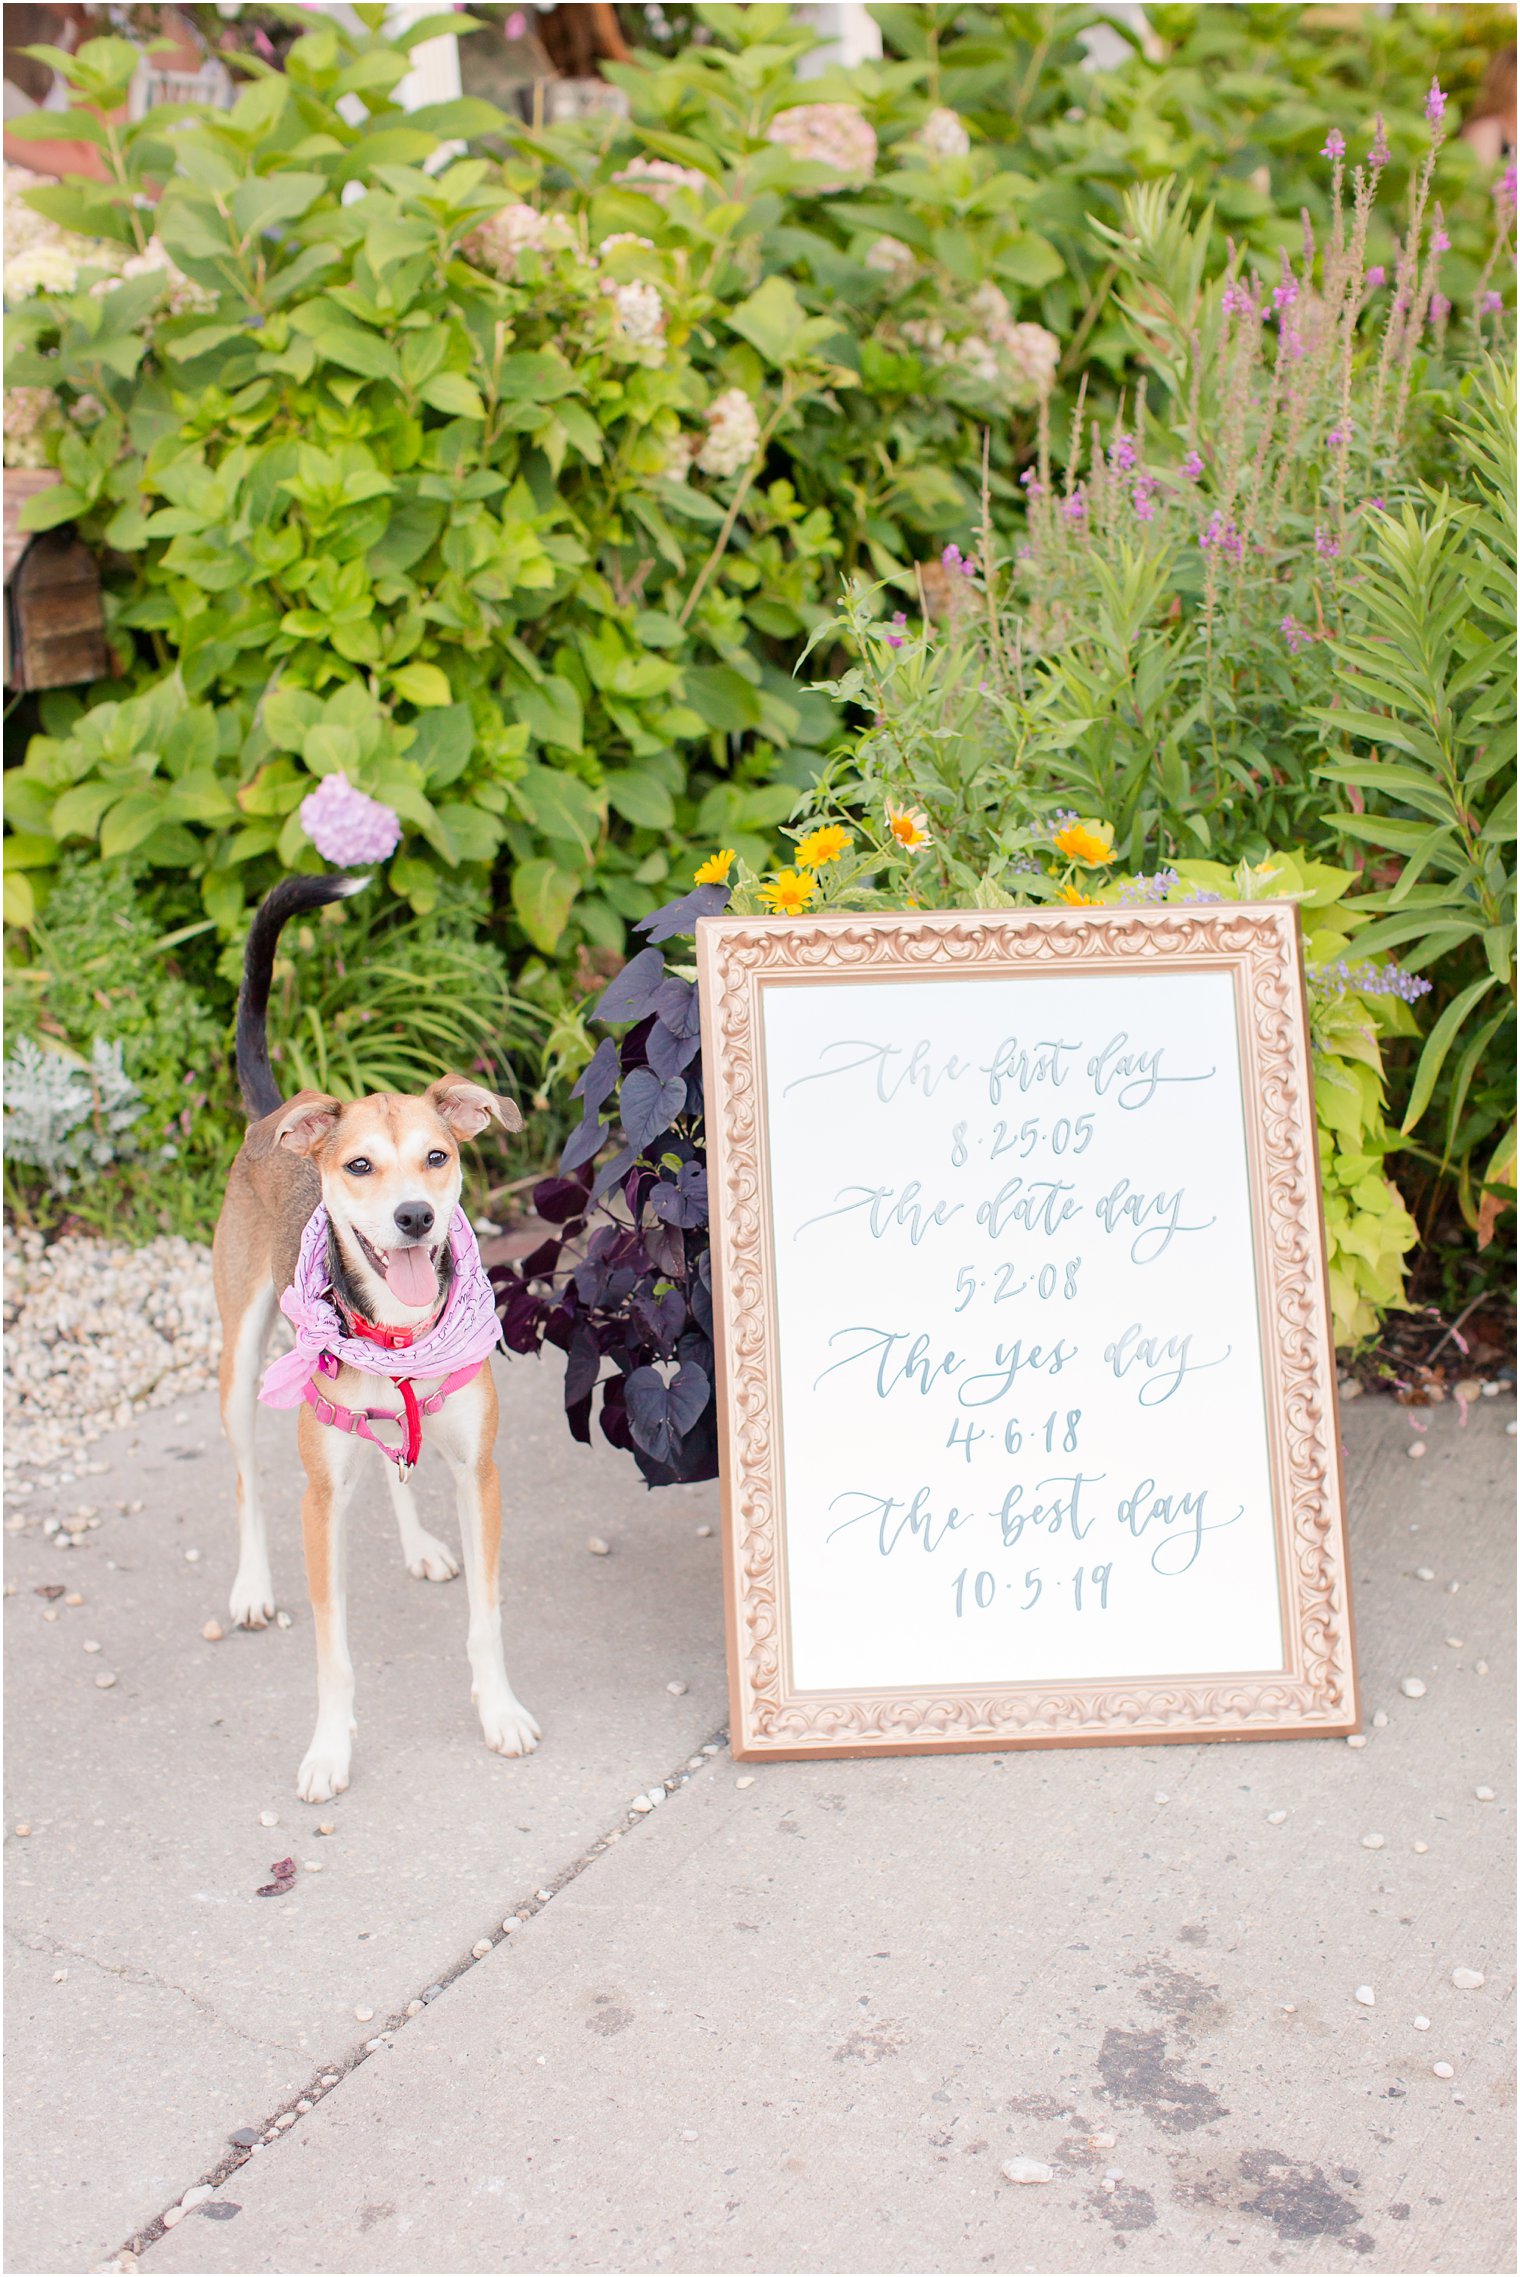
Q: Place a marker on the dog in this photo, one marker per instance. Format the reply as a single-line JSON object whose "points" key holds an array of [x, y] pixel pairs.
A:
{"points": [[386, 1169]]}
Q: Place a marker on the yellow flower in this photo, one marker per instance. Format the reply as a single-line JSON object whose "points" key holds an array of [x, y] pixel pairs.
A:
{"points": [[715, 869], [1077, 899], [789, 892], [1091, 842], [821, 846], [909, 825]]}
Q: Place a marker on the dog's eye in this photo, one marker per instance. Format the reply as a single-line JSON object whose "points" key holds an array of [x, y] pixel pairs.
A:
{"points": [[360, 1167], [437, 1158]]}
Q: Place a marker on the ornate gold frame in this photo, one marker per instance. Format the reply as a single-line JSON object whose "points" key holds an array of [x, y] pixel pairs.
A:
{"points": [[1259, 944]]}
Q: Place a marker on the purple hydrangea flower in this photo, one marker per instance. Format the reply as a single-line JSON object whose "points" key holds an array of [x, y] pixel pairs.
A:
{"points": [[1379, 155], [1326, 544], [1296, 636], [1192, 466], [347, 826], [1334, 145], [1435, 105], [1121, 453]]}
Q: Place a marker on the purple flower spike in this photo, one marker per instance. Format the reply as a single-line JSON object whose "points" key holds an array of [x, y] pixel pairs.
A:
{"points": [[1326, 544], [1295, 635], [1505, 192], [1440, 308], [951, 558], [1435, 105], [1492, 304], [1142, 498], [1121, 453], [1379, 155], [1439, 241], [1031, 480], [1192, 466], [348, 827], [1074, 507], [1376, 275], [1337, 439], [1334, 145]]}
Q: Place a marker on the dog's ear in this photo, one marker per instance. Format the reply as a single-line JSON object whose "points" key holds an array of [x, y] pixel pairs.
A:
{"points": [[300, 1126], [467, 1107]]}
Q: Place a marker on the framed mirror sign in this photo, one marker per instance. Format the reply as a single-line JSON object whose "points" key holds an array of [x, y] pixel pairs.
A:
{"points": [[1026, 1381]]}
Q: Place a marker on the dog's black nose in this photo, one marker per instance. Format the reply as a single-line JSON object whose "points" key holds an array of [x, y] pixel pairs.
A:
{"points": [[414, 1219]]}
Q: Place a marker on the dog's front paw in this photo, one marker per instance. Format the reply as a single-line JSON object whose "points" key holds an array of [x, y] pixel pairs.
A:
{"points": [[252, 1601], [428, 1559], [324, 1770], [508, 1727]]}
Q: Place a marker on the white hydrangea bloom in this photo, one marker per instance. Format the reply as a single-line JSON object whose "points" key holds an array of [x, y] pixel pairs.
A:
{"points": [[677, 462], [831, 134], [639, 316], [943, 135], [516, 229], [733, 434], [889, 257], [52, 266], [29, 411], [1033, 355], [39, 256], [624, 237], [659, 177]]}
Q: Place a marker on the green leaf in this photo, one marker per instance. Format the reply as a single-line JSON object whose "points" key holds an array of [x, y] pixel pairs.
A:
{"points": [[259, 204], [772, 318], [559, 805], [641, 799], [1438, 1043], [722, 697], [422, 684], [542, 895], [131, 820], [453, 393], [45, 509], [551, 712], [539, 377]]}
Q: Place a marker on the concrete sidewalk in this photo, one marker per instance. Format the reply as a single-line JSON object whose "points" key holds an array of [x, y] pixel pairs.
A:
{"points": [[798, 2017]]}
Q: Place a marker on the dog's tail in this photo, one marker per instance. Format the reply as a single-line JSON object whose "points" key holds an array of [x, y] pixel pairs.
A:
{"points": [[261, 1094]]}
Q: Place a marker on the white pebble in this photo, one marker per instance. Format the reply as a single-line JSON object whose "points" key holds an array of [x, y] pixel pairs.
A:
{"points": [[1290, 2008], [1468, 1980], [1372, 1842], [1480, 1667], [329, 2079], [192, 1557], [173, 2214], [1380, 1720], [1412, 1687], [60, 1976], [544, 1896], [1424, 1573], [364, 2014], [311, 1865], [1483, 1794], [1452, 1588], [282, 1620], [91, 1645], [104, 1681], [373, 2047], [675, 1687], [213, 1632], [1422, 2023], [269, 1818], [509, 1924], [326, 1826], [599, 1548], [1417, 1451], [688, 2134], [1366, 1996], [1421, 1849], [1102, 2141], [286, 2119], [704, 1533], [73, 1598], [1026, 2170], [481, 1949], [640, 1803], [746, 1781], [656, 1794], [414, 2008], [1444, 2071], [23, 1828], [196, 2195], [1457, 1644], [305, 2104], [1276, 1818], [1356, 1739], [1160, 1798]]}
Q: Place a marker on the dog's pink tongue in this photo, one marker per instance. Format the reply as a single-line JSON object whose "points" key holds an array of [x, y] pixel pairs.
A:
{"points": [[410, 1276]]}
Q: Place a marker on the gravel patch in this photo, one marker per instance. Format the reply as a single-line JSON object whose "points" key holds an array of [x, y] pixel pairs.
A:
{"points": [[95, 1333]]}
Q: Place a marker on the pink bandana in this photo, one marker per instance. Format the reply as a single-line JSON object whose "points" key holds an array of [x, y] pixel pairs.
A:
{"points": [[464, 1332]]}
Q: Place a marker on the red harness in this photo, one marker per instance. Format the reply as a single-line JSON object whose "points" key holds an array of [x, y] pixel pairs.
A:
{"points": [[358, 1420]]}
